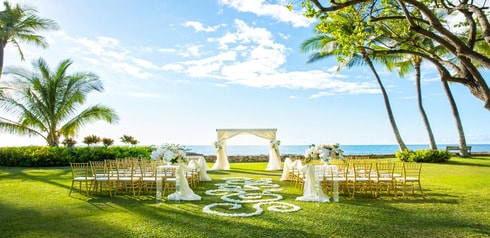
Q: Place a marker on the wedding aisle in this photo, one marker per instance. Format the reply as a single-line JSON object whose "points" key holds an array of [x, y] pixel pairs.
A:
{"points": [[245, 197]]}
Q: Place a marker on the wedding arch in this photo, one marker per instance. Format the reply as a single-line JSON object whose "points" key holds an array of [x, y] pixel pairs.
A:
{"points": [[225, 134]]}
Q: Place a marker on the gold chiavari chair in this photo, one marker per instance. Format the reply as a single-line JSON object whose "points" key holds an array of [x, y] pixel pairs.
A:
{"points": [[169, 181], [102, 177], [383, 177], [410, 176], [361, 180], [148, 177], [80, 175], [126, 175]]}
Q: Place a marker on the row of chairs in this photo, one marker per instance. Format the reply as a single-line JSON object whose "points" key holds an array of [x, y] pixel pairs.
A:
{"points": [[364, 175], [125, 175]]}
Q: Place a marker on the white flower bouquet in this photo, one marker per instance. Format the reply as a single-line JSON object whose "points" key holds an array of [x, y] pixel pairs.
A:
{"points": [[170, 153], [218, 145], [323, 152], [275, 144]]}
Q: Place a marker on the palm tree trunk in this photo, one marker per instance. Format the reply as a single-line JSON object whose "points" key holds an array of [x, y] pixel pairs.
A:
{"points": [[399, 139], [2, 52], [459, 125], [432, 141]]}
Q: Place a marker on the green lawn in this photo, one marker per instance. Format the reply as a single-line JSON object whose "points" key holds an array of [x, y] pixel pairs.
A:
{"points": [[34, 202]]}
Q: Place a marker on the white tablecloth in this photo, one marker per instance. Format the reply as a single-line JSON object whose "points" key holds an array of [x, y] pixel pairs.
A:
{"points": [[203, 167], [182, 189]]}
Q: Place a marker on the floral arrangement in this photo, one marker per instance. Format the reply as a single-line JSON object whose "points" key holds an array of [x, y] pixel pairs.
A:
{"points": [[218, 145], [275, 144], [323, 152], [171, 153], [334, 151]]}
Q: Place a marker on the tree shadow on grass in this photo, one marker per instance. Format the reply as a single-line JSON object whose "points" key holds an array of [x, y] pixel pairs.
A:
{"points": [[468, 162]]}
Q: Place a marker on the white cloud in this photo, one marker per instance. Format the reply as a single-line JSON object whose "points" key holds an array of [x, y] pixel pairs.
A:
{"points": [[200, 27], [258, 61], [191, 50], [130, 69], [276, 11], [173, 67], [145, 64], [167, 50]]}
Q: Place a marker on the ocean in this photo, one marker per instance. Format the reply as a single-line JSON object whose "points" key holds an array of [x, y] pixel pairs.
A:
{"points": [[300, 149]]}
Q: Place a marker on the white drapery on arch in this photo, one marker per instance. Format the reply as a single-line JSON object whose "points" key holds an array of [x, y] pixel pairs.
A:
{"points": [[225, 134]]}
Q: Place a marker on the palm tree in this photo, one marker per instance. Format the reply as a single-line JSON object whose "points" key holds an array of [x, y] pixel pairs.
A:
{"points": [[92, 139], [46, 102], [20, 24], [127, 139], [404, 67], [326, 45], [457, 118]]}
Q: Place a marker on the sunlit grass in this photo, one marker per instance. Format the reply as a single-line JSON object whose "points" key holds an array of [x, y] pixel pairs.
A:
{"points": [[34, 202]]}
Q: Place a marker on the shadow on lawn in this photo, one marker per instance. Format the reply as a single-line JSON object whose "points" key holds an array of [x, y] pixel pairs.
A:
{"points": [[469, 162], [349, 218]]}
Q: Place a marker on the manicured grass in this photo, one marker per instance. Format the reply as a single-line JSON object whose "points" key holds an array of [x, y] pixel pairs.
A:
{"points": [[34, 202]]}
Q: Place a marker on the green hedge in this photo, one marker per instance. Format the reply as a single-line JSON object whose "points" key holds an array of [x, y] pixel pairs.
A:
{"points": [[431, 156], [44, 156]]}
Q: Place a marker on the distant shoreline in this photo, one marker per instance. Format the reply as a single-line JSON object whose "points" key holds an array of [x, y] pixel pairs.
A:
{"points": [[350, 150]]}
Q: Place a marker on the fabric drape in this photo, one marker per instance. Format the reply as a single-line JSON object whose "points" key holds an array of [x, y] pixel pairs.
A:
{"points": [[225, 134]]}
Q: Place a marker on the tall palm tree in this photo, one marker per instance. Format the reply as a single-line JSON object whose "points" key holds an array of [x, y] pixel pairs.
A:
{"points": [[457, 118], [405, 66], [20, 24], [326, 45], [46, 102]]}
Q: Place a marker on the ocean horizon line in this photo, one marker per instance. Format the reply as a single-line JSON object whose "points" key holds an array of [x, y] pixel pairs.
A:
{"points": [[300, 149]]}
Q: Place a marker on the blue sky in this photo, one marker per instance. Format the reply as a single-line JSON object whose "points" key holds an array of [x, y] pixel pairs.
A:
{"points": [[175, 71]]}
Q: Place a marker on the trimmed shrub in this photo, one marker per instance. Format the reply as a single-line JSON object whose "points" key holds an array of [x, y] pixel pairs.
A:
{"points": [[45, 156], [429, 156]]}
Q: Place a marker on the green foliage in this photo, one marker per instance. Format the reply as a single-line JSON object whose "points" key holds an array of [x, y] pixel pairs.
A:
{"points": [[29, 97], [129, 140], [34, 156], [92, 139], [69, 142], [430, 156], [107, 142]]}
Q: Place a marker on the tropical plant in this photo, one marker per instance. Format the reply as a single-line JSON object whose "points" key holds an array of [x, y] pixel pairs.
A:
{"points": [[129, 140], [404, 67], [92, 139], [69, 142], [417, 61], [20, 24], [46, 102], [328, 43], [107, 142], [429, 156], [427, 19]]}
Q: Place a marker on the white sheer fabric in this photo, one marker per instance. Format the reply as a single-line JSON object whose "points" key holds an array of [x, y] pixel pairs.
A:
{"points": [[203, 173], [200, 162], [312, 191], [183, 191], [225, 134], [288, 166], [221, 158]]}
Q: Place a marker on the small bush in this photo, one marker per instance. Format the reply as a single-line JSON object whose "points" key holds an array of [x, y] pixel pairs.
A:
{"points": [[429, 156], [45, 156]]}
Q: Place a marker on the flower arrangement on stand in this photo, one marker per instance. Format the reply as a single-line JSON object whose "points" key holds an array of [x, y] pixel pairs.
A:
{"points": [[333, 152], [314, 152], [275, 144], [170, 153], [323, 152]]}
